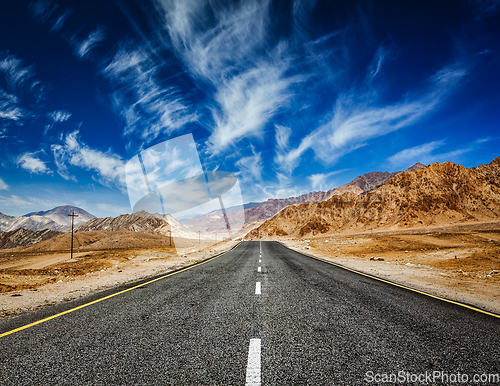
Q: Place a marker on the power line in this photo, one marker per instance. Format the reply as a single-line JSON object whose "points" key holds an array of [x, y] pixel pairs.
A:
{"points": [[73, 215]]}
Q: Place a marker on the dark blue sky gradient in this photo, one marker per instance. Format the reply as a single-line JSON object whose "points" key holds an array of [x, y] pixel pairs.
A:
{"points": [[294, 96]]}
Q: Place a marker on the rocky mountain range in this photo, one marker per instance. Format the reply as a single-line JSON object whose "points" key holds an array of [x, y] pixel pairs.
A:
{"points": [[266, 210], [24, 237], [141, 221], [441, 193], [56, 219]]}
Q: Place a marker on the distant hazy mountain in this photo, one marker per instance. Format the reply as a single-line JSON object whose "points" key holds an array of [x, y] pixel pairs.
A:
{"points": [[56, 219], [262, 211], [213, 221]]}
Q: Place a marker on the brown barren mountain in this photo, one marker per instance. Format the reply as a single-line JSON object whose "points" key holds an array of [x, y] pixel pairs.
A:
{"points": [[99, 240], [142, 221], [266, 210], [362, 184], [441, 193], [22, 237]]}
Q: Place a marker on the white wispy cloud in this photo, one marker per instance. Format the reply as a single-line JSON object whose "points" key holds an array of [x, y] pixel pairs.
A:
{"points": [[28, 203], [251, 166], [59, 115], [378, 61], [16, 74], [83, 47], [15, 202], [30, 162], [59, 21], [288, 158], [21, 89], [414, 154], [246, 103], [9, 107], [48, 11], [227, 46], [109, 167], [112, 209], [484, 140], [3, 185], [147, 107], [426, 154], [319, 180], [359, 117], [214, 47], [282, 137], [43, 9]]}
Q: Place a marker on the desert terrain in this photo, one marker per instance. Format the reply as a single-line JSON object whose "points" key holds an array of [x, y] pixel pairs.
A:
{"points": [[44, 273], [434, 228], [459, 263]]}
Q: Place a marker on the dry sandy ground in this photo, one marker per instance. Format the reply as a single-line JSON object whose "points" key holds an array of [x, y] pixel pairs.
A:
{"points": [[455, 263], [461, 266], [32, 280]]}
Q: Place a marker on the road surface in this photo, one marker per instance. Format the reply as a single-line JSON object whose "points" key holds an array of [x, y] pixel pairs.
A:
{"points": [[259, 314]]}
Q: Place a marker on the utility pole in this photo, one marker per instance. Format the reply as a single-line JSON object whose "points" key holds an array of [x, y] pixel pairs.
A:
{"points": [[73, 215], [199, 237], [170, 233]]}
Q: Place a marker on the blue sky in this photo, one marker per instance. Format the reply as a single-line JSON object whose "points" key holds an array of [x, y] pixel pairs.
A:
{"points": [[294, 96]]}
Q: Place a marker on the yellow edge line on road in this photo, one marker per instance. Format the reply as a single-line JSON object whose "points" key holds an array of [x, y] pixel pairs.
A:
{"points": [[110, 296], [399, 285]]}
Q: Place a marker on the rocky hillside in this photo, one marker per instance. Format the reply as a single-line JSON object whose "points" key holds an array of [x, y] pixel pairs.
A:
{"points": [[100, 240], [369, 181], [56, 219], [139, 222], [362, 184], [24, 237], [442, 193]]}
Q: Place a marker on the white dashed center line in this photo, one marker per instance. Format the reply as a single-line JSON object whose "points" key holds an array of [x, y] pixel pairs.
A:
{"points": [[259, 269], [257, 288], [253, 366], [260, 261]]}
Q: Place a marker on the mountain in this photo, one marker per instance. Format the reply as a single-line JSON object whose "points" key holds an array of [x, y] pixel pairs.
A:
{"points": [[214, 222], [256, 213], [363, 184], [441, 193], [140, 222], [417, 166], [98, 241], [55, 219], [189, 219], [24, 237]]}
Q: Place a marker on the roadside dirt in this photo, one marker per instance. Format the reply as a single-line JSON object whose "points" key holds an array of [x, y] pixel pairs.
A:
{"points": [[462, 266], [455, 263], [36, 279]]}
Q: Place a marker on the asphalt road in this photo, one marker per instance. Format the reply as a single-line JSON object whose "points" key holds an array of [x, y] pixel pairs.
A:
{"points": [[311, 324]]}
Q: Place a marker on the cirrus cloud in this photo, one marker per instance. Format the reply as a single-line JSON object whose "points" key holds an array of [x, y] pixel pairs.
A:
{"points": [[108, 166], [3, 185], [59, 115], [33, 164]]}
